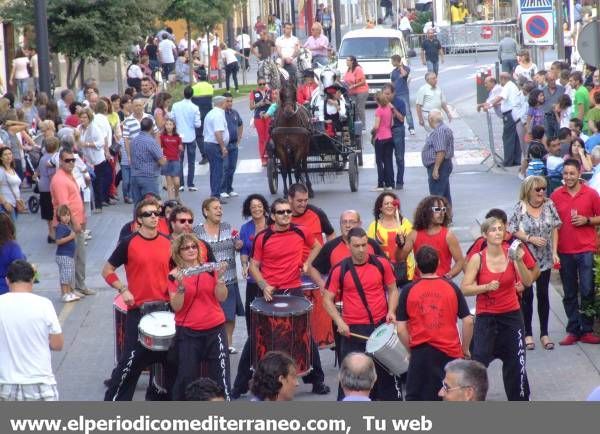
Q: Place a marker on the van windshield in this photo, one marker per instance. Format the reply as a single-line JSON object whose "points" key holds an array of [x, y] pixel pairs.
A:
{"points": [[371, 48]]}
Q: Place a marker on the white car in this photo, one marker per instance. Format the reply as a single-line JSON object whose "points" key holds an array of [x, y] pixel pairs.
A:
{"points": [[373, 49]]}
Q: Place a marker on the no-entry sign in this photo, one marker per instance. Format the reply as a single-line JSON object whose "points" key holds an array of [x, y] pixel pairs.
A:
{"points": [[538, 29]]}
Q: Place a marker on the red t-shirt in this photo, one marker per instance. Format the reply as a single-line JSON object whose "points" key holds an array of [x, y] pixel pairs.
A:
{"points": [[304, 93], [170, 146], [280, 255], [201, 309], [573, 239], [373, 282], [146, 266], [504, 299], [334, 251], [431, 306], [315, 221], [439, 243], [72, 121]]}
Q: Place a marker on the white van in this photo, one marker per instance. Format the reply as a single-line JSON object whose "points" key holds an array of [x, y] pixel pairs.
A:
{"points": [[373, 49]]}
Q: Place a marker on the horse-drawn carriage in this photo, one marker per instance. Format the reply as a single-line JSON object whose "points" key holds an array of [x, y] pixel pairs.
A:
{"points": [[304, 141]]}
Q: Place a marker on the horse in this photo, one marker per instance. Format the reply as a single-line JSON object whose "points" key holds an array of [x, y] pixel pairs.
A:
{"points": [[303, 62], [291, 134], [268, 70]]}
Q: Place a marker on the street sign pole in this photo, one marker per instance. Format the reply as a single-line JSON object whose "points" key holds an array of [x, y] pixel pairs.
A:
{"points": [[560, 39], [43, 50]]}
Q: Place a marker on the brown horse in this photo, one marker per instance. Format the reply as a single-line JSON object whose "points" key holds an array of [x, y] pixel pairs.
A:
{"points": [[291, 134]]}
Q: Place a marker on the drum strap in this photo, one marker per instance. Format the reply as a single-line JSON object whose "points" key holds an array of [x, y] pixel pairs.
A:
{"points": [[360, 290]]}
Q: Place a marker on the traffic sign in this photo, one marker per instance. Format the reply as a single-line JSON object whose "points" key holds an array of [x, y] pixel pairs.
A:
{"points": [[587, 43], [487, 32], [538, 29], [536, 6]]}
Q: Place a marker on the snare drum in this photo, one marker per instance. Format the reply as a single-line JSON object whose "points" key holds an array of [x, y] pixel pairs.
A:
{"points": [[282, 325], [385, 346], [321, 324], [156, 330], [120, 315]]}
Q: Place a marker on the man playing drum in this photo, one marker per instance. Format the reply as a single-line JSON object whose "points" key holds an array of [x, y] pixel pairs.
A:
{"points": [[360, 281], [276, 263], [146, 255], [427, 316]]}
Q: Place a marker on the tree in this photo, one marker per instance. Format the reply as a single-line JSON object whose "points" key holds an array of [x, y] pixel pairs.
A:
{"points": [[202, 14], [89, 29]]}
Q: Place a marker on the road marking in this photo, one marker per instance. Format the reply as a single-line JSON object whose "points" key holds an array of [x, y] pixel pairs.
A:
{"points": [[65, 312], [411, 159]]}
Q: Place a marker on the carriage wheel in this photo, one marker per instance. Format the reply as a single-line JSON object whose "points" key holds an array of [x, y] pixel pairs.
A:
{"points": [[33, 203], [272, 175], [358, 148], [353, 171]]}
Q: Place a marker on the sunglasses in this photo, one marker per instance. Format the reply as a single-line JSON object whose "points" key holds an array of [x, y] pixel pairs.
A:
{"points": [[69, 160], [147, 214], [188, 247], [262, 84], [182, 221], [438, 208], [538, 189], [283, 211]]}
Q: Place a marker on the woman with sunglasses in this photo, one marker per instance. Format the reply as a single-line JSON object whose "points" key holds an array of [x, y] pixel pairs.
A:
{"points": [[260, 101], [390, 229], [492, 276], [535, 221], [199, 319], [224, 242]]}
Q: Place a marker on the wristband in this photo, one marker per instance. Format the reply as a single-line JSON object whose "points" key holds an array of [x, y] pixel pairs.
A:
{"points": [[111, 278]]}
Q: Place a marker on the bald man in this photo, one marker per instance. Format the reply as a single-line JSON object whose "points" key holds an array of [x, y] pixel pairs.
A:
{"points": [[510, 106], [437, 155], [357, 377]]}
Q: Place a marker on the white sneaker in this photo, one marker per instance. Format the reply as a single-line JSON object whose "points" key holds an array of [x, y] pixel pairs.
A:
{"points": [[233, 194], [69, 297], [377, 189], [224, 195], [181, 188], [521, 176]]}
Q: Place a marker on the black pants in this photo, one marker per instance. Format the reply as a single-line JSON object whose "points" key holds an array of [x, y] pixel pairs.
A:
{"points": [[384, 158], [244, 373], [231, 70], [551, 125], [387, 387], [543, 304], [501, 336], [134, 360], [425, 373], [510, 141], [193, 347], [101, 183]]}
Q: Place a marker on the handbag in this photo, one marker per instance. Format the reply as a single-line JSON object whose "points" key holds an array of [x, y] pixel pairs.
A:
{"points": [[19, 203]]}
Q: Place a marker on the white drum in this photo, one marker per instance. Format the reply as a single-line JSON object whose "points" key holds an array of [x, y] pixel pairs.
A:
{"points": [[385, 346], [156, 330]]}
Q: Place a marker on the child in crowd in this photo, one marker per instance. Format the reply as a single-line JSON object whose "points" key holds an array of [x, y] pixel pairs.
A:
{"points": [[65, 254], [577, 151], [535, 112], [536, 165], [172, 147], [562, 111], [384, 145]]}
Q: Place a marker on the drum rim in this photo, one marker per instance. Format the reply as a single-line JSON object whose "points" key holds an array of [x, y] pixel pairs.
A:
{"points": [[372, 341], [256, 309]]}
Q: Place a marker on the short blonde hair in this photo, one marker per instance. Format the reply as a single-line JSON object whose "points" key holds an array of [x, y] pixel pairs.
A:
{"points": [[488, 223], [176, 247], [88, 111], [529, 184]]}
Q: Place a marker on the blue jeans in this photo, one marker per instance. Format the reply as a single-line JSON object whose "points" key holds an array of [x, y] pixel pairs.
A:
{"points": [[215, 161], [433, 66], [509, 65], [441, 186], [229, 165], [126, 181], [141, 185], [12, 214], [399, 146], [190, 150], [22, 86], [577, 276], [409, 116]]}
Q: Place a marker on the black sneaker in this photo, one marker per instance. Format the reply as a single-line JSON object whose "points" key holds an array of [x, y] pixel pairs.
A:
{"points": [[399, 186], [203, 161], [237, 393], [320, 389]]}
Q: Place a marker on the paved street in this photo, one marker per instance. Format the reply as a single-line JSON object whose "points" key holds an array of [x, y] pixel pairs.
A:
{"points": [[567, 373]]}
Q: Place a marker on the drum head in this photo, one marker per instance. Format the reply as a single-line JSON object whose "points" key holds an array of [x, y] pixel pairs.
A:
{"points": [[380, 336], [158, 324], [281, 305], [308, 284]]}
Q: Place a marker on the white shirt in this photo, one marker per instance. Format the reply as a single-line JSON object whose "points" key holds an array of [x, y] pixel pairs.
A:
{"points": [[20, 67], [93, 155], [510, 98], [287, 46], [430, 98], [183, 44], [405, 24], [135, 71], [228, 56], [528, 73], [496, 90], [243, 41], [165, 51], [101, 122], [214, 121], [26, 321]]}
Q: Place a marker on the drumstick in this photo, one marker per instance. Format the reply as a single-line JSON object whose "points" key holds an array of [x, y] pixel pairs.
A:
{"points": [[356, 335]]}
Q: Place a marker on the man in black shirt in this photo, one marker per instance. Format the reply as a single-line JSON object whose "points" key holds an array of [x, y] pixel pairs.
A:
{"points": [[432, 52], [263, 47]]}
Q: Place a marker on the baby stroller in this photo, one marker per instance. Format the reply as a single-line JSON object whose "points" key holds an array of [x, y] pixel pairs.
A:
{"points": [[32, 160]]}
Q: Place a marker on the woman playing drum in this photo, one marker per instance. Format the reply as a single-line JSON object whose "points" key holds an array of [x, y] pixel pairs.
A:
{"points": [[199, 318], [492, 275]]}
